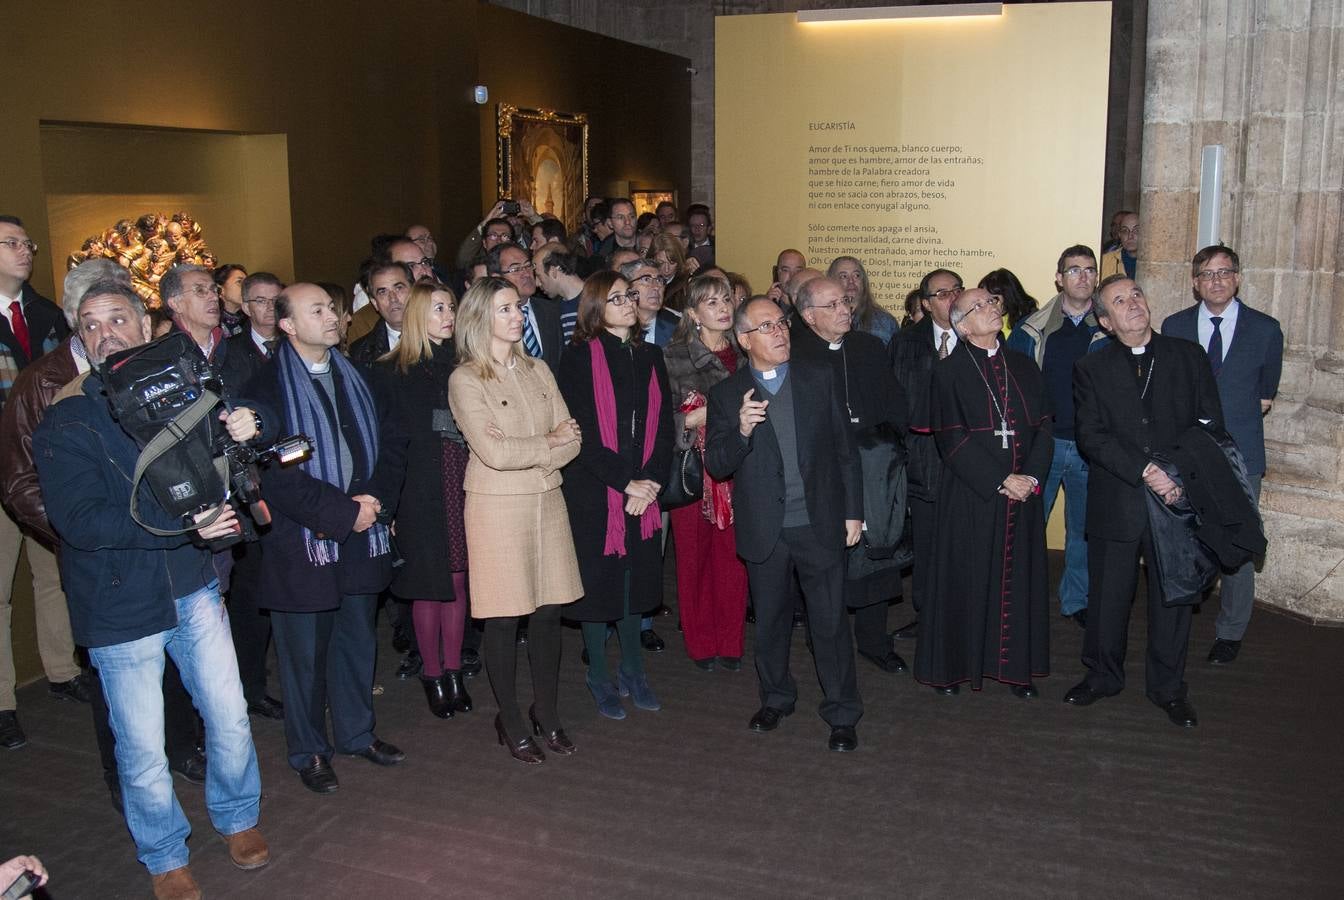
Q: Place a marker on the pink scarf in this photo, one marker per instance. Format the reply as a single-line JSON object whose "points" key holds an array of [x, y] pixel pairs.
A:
{"points": [[604, 396]]}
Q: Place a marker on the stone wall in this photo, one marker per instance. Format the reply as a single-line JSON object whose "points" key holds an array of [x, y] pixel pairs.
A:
{"points": [[1265, 79]]}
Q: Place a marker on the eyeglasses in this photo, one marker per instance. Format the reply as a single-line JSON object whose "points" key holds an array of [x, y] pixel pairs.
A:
{"points": [[948, 293], [1130, 231], [1216, 274], [630, 296], [768, 326], [835, 304], [644, 279], [423, 239], [14, 244], [1076, 271], [200, 292], [519, 267], [994, 300], [426, 261], [263, 301]]}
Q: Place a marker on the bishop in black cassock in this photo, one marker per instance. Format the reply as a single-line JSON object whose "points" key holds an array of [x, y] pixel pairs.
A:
{"points": [[987, 610]]}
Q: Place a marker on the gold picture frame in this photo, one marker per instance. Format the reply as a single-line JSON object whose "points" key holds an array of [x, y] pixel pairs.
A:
{"points": [[543, 158]]}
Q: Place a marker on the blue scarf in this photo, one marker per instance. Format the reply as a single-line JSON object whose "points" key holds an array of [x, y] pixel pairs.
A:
{"points": [[305, 414]]}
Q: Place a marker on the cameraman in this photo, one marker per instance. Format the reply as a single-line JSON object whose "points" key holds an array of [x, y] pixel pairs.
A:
{"points": [[133, 594]]}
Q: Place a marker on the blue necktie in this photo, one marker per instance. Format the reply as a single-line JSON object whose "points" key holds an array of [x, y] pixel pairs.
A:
{"points": [[530, 342], [1216, 345]]}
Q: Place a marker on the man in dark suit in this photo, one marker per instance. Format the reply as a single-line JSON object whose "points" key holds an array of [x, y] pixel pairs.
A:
{"points": [[914, 351], [542, 334], [1133, 397], [389, 288], [656, 322], [1245, 349], [30, 326], [779, 430]]}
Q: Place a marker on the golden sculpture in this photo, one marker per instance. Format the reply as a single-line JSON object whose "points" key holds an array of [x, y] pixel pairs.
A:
{"points": [[147, 247]]}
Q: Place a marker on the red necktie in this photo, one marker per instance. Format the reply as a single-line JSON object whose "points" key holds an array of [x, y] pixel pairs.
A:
{"points": [[20, 328]]}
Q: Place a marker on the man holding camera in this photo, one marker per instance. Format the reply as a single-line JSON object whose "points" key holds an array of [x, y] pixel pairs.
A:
{"points": [[134, 594], [327, 555]]}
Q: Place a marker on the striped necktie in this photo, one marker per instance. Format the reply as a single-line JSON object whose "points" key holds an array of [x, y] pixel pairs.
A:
{"points": [[530, 342]]}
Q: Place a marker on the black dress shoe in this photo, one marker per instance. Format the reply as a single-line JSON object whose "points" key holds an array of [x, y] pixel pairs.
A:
{"points": [[524, 749], [892, 662], [401, 641], [411, 664], [767, 719], [704, 665], [1080, 618], [380, 753], [1025, 691], [731, 663], [907, 632], [456, 689], [471, 663], [843, 739], [947, 690], [76, 689], [318, 776], [267, 708], [437, 697], [192, 770], [11, 735], [1180, 712], [1081, 694], [556, 741], [651, 642], [1223, 652]]}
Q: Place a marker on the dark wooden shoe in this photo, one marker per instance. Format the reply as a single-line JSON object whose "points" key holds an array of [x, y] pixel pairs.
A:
{"points": [[843, 739], [1180, 712], [1223, 652], [318, 776], [556, 741], [524, 750], [767, 718]]}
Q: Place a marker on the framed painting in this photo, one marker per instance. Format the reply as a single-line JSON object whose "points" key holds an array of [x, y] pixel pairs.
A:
{"points": [[648, 200], [543, 159]]}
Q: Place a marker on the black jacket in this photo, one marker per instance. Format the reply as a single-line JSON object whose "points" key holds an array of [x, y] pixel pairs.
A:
{"points": [[826, 458], [912, 358], [550, 333], [1119, 436], [242, 358], [371, 346]]}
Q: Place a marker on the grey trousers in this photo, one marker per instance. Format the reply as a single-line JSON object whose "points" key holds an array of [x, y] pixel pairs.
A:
{"points": [[1236, 598]]}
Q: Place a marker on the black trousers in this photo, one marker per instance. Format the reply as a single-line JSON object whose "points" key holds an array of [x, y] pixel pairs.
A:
{"points": [[179, 721], [821, 572], [922, 523], [251, 627], [326, 659], [870, 629], [1113, 572]]}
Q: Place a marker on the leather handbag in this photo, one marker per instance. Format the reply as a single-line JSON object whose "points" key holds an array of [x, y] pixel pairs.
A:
{"points": [[686, 481]]}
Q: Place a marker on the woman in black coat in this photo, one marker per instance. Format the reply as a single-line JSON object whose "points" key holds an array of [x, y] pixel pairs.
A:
{"points": [[615, 386], [429, 530]]}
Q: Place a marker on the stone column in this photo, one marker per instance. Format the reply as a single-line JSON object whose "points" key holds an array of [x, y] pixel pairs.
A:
{"points": [[1265, 79]]}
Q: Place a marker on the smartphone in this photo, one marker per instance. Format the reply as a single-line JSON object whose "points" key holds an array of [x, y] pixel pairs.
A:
{"points": [[22, 886]]}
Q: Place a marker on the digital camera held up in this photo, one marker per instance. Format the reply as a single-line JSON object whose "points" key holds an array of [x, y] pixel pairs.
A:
{"points": [[167, 397]]}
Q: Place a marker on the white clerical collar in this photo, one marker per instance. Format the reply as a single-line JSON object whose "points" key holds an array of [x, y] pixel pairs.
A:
{"points": [[769, 374], [321, 368], [835, 345], [1139, 351]]}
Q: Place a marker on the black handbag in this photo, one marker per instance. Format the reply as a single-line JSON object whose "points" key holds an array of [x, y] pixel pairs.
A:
{"points": [[686, 482]]}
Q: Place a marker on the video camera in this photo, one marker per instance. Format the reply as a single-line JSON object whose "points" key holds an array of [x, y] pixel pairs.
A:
{"points": [[167, 397]]}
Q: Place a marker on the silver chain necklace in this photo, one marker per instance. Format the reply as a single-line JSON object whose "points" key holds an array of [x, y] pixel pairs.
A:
{"points": [[1003, 431]]}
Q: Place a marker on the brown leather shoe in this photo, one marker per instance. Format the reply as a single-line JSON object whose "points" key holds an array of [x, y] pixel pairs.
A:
{"points": [[176, 884], [247, 849]]}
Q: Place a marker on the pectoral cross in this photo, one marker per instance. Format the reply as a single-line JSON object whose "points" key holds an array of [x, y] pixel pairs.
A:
{"points": [[1003, 432]]}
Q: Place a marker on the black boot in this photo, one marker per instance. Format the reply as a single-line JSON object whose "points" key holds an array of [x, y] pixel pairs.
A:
{"points": [[455, 690], [439, 704]]}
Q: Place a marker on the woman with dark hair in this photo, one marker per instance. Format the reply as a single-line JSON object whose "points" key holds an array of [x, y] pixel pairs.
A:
{"points": [[868, 316], [229, 279], [522, 556], [615, 386], [1017, 303], [914, 309], [430, 531], [711, 579], [673, 267], [741, 288]]}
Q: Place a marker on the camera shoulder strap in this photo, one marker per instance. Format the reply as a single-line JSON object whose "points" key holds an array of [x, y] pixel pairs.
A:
{"points": [[173, 433]]}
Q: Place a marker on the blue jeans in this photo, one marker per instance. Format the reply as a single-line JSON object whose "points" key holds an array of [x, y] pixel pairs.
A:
{"points": [[1070, 470], [132, 677]]}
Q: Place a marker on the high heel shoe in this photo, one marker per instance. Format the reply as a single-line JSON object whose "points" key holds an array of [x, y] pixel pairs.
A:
{"points": [[524, 750], [556, 741], [456, 690], [439, 703]]}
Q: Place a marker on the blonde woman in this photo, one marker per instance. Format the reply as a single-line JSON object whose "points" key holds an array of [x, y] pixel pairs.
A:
{"points": [[520, 435]]}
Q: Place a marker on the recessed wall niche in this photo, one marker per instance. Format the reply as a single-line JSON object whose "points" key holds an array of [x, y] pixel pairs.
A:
{"points": [[235, 185]]}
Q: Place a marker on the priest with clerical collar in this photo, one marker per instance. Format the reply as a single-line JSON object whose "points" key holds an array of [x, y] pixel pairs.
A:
{"points": [[1133, 398], [986, 607], [875, 405]]}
